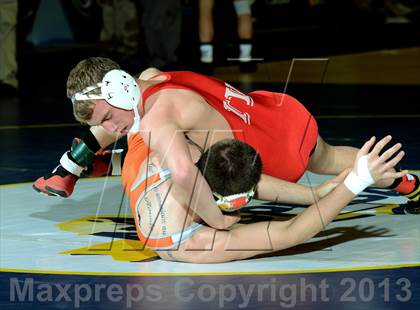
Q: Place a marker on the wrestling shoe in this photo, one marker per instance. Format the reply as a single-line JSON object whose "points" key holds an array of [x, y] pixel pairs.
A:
{"points": [[58, 183], [414, 195], [61, 182], [101, 165]]}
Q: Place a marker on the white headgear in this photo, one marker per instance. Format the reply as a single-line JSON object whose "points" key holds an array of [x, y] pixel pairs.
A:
{"points": [[119, 89], [233, 202]]}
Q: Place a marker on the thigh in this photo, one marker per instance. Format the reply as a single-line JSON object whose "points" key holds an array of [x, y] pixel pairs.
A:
{"points": [[320, 156], [331, 159], [206, 6]]}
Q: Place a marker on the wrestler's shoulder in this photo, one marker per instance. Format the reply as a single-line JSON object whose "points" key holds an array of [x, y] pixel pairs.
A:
{"points": [[149, 73]]}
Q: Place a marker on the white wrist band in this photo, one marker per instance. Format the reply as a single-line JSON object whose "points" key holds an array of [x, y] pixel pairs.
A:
{"points": [[356, 183], [70, 165]]}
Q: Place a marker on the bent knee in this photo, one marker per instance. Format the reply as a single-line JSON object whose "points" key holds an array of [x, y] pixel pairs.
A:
{"points": [[322, 157]]}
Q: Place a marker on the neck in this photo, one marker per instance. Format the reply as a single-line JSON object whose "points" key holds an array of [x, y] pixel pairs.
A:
{"points": [[143, 85]]}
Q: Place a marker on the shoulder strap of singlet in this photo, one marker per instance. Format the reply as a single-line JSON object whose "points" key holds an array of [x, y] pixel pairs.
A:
{"points": [[154, 88], [164, 84]]}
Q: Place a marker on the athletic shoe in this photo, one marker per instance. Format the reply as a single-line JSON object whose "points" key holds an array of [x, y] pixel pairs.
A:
{"points": [[58, 183], [101, 165], [415, 194]]}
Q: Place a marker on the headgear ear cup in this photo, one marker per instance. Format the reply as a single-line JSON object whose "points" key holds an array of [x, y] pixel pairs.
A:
{"points": [[119, 89]]}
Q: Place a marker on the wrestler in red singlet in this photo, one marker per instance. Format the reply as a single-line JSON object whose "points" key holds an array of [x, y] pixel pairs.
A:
{"points": [[275, 124]]}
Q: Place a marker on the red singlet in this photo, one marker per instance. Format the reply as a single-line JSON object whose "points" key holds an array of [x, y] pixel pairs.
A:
{"points": [[277, 125]]}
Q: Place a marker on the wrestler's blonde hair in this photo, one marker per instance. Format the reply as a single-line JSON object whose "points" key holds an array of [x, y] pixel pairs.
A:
{"points": [[86, 73]]}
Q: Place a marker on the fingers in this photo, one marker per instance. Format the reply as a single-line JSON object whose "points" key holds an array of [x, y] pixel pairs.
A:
{"points": [[395, 175], [393, 162], [236, 215], [236, 219], [380, 145], [366, 147], [389, 153]]}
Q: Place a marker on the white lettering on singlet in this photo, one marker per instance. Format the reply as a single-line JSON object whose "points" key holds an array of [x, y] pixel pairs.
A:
{"points": [[231, 93]]}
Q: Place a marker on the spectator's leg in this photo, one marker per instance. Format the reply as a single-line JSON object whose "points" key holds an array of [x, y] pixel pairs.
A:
{"points": [[162, 28], [8, 62]]}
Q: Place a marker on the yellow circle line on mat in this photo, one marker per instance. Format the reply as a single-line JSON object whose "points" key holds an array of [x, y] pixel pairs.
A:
{"points": [[199, 274], [181, 274]]}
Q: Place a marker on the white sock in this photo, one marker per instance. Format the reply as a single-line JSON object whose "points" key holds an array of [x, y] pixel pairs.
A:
{"points": [[245, 50], [206, 50]]}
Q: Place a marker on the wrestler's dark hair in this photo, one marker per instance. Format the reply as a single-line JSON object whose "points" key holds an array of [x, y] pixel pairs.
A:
{"points": [[230, 167]]}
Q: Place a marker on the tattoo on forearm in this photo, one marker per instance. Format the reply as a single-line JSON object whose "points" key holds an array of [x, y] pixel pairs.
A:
{"points": [[155, 211], [162, 211], [149, 207]]}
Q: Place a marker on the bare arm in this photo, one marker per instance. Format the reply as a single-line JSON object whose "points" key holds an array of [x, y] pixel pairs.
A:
{"points": [[277, 235], [103, 136], [190, 187], [274, 189], [149, 73], [313, 220]]}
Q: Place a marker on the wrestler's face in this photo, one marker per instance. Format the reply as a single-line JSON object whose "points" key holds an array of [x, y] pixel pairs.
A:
{"points": [[113, 119]]}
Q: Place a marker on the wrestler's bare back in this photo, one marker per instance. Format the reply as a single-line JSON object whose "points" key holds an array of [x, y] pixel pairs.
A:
{"points": [[202, 123]]}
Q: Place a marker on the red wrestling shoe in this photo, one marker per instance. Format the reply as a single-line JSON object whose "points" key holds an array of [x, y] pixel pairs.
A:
{"points": [[101, 165], [414, 194], [58, 183]]}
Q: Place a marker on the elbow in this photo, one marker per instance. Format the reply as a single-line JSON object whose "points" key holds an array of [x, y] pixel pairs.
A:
{"points": [[293, 237], [184, 173]]}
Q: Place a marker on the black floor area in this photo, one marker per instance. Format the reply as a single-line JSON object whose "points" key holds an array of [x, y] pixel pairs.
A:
{"points": [[380, 109]]}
